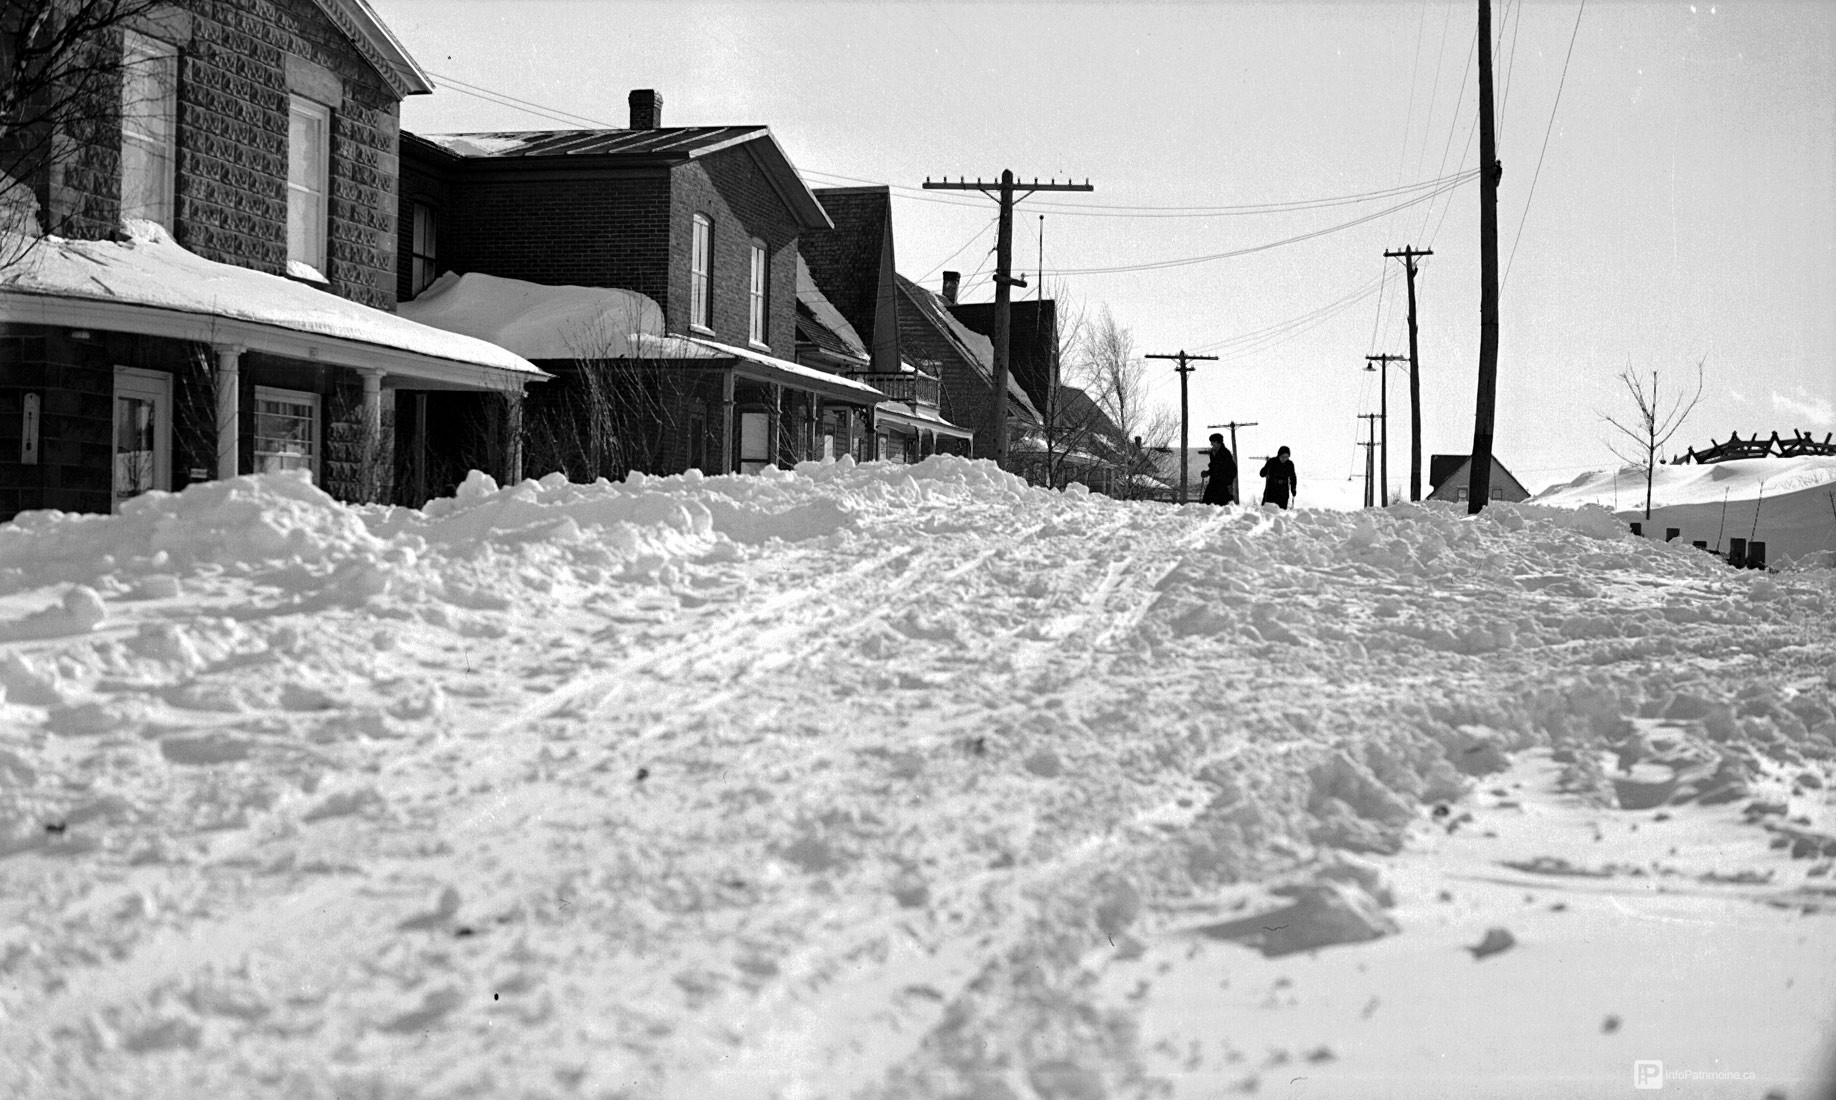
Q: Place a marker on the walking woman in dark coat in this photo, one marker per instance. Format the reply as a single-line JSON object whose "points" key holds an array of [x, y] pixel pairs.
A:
{"points": [[1280, 484], [1221, 476]]}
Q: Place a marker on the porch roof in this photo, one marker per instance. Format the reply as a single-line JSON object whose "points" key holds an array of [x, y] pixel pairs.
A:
{"points": [[894, 413], [758, 366], [149, 284]]}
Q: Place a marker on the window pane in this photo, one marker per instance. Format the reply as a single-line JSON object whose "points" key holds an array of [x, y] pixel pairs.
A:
{"points": [[133, 446], [307, 152], [149, 98], [303, 150]]}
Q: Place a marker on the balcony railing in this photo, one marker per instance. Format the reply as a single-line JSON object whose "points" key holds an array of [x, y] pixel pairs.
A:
{"points": [[914, 389]]}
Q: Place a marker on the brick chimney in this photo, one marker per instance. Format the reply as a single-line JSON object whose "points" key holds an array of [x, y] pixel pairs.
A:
{"points": [[951, 279], [646, 109]]}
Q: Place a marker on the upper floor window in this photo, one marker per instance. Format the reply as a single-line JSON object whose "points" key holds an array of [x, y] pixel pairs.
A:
{"points": [[426, 267], [149, 130], [756, 298], [700, 255], [308, 169]]}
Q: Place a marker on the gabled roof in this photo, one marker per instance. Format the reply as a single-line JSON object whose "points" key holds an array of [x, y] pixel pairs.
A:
{"points": [[1442, 467], [849, 261], [378, 45], [973, 348], [666, 145], [821, 324]]}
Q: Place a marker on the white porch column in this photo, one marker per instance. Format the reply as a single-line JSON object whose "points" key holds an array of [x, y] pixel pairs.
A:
{"points": [[229, 408], [372, 403]]}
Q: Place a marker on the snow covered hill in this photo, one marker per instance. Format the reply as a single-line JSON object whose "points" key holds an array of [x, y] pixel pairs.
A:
{"points": [[1787, 503], [883, 781]]}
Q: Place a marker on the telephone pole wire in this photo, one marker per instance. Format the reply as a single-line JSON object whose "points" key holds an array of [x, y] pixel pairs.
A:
{"points": [[1409, 254], [1004, 280], [1383, 407], [1185, 367], [1236, 482]]}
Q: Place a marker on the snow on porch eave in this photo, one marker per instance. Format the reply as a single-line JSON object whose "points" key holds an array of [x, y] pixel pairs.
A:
{"points": [[426, 371], [759, 367]]}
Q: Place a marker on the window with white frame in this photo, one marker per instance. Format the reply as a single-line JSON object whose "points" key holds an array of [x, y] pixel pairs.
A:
{"points": [[286, 431], [308, 170], [756, 296], [149, 127], [425, 265], [700, 256]]}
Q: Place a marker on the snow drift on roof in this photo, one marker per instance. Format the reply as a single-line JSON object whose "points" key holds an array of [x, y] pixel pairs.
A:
{"points": [[534, 320], [150, 269]]}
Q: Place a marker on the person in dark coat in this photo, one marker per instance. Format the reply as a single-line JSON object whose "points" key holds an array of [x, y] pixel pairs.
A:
{"points": [[1280, 486], [1221, 476]]}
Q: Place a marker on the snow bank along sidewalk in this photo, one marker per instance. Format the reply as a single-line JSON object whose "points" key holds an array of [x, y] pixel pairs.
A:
{"points": [[842, 781]]}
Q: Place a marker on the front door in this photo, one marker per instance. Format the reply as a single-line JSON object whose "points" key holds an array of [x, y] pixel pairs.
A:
{"points": [[143, 433]]}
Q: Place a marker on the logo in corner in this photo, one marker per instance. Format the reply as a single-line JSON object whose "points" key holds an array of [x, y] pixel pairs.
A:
{"points": [[1647, 1075]]}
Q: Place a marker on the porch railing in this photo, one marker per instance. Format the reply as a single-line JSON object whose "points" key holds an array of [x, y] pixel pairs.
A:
{"points": [[915, 389]]}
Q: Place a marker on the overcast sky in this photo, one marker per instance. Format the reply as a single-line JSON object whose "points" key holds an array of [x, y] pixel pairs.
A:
{"points": [[1684, 209]]}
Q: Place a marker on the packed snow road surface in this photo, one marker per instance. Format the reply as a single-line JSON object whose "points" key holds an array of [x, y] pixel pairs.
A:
{"points": [[843, 781]]}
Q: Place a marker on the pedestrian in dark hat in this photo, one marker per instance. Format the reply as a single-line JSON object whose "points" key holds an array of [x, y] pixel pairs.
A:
{"points": [[1280, 486], [1221, 476]]}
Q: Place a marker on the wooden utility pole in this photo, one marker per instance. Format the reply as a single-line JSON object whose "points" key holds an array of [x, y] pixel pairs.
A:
{"points": [[1480, 483], [1236, 483], [1185, 367], [1383, 408], [1370, 472], [1004, 280], [1409, 254]]}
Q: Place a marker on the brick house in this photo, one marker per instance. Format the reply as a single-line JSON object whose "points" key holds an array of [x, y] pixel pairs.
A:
{"points": [[933, 339], [1449, 476], [220, 300], [848, 321], [702, 221]]}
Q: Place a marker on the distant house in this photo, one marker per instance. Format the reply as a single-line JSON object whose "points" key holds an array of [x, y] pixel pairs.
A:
{"points": [[1449, 475], [1032, 338], [701, 221], [220, 300], [937, 343], [848, 321]]}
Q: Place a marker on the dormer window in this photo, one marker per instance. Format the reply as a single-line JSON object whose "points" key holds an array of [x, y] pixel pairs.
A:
{"points": [[149, 127], [700, 257]]}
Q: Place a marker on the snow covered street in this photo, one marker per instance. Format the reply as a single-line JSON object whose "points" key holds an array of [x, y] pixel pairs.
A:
{"points": [[892, 781]]}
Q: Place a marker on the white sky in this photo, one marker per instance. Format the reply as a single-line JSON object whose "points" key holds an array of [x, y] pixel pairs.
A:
{"points": [[1685, 208]]}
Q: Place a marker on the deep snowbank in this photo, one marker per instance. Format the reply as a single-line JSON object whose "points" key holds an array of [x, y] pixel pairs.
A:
{"points": [[826, 782]]}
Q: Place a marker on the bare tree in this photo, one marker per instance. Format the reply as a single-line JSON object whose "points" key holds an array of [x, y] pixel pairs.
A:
{"points": [[1116, 379], [61, 107], [1652, 425], [610, 413]]}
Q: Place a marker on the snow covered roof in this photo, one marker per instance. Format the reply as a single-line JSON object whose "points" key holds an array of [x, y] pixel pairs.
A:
{"points": [[922, 418], [824, 324], [534, 320], [652, 145], [757, 365], [974, 348], [148, 284]]}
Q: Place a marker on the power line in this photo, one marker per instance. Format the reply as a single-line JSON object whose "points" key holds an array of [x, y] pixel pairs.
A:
{"points": [[1187, 261], [959, 251], [1453, 125], [1528, 198]]}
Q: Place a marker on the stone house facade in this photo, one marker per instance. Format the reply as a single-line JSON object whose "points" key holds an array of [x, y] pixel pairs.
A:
{"points": [[255, 150]]}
